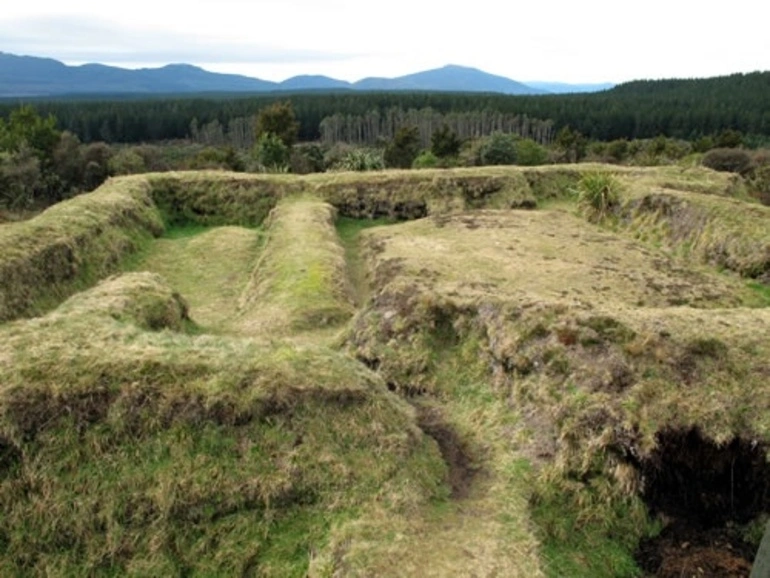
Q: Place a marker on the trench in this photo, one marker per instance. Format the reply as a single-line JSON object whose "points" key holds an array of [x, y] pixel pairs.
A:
{"points": [[461, 469], [707, 495]]}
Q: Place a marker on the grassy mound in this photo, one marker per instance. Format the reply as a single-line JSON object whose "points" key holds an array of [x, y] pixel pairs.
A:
{"points": [[300, 282], [157, 453], [73, 245], [592, 342]]}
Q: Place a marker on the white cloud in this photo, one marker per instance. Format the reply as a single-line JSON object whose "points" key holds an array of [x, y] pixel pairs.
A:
{"points": [[589, 41]]}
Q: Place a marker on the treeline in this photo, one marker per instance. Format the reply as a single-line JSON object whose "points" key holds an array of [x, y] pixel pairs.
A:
{"points": [[375, 127], [40, 165], [686, 109]]}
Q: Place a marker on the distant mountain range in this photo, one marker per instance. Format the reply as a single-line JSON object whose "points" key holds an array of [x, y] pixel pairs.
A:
{"points": [[35, 76]]}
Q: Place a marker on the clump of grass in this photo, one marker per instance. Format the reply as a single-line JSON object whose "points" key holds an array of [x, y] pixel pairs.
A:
{"points": [[598, 195]]}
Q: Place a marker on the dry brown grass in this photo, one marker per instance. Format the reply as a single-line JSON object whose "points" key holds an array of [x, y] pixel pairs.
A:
{"points": [[549, 347]]}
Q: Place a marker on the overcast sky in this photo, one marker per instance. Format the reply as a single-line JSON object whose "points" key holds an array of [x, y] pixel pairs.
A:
{"points": [[557, 40]]}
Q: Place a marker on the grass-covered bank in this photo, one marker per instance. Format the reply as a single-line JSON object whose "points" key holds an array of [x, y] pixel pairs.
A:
{"points": [[153, 452], [506, 384]]}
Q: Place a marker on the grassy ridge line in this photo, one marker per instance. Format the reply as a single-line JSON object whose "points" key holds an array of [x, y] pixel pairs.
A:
{"points": [[129, 452], [79, 241], [300, 282], [219, 198], [72, 245], [414, 194], [724, 232]]}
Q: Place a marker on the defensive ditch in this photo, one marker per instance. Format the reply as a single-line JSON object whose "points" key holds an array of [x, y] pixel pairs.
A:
{"points": [[707, 494]]}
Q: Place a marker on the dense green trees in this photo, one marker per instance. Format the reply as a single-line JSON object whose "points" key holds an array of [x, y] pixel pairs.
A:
{"points": [[686, 109], [40, 165], [404, 148]]}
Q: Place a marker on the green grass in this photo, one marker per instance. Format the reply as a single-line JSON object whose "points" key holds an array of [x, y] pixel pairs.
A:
{"points": [[349, 232], [763, 292], [210, 266], [213, 416], [184, 231], [157, 452], [300, 282]]}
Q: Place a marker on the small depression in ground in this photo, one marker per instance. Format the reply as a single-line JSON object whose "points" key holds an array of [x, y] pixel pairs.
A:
{"points": [[706, 494]]}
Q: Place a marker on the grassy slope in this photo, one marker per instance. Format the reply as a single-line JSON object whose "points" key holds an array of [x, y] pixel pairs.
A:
{"points": [[592, 338], [533, 345], [158, 453], [72, 245]]}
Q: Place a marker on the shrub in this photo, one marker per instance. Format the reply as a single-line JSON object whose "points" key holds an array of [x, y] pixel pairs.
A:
{"points": [[21, 180], [598, 195], [271, 153], [728, 160], [127, 161], [403, 149], [498, 149], [530, 154], [617, 150], [361, 160], [307, 158], [703, 144], [729, 138], [425, 160], [445, 143]]}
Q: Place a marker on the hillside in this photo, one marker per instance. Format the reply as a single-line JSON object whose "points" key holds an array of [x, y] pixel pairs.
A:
{"points": [[449, 79], [33, 76], [420, 373]]}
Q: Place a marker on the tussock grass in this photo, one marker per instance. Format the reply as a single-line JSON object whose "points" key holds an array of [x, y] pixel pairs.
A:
{"points": [[300, 282]]}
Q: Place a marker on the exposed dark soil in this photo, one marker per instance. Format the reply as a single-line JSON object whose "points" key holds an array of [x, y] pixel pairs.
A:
{"points": [[705, 491], [455, 452], [683, 550]]}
